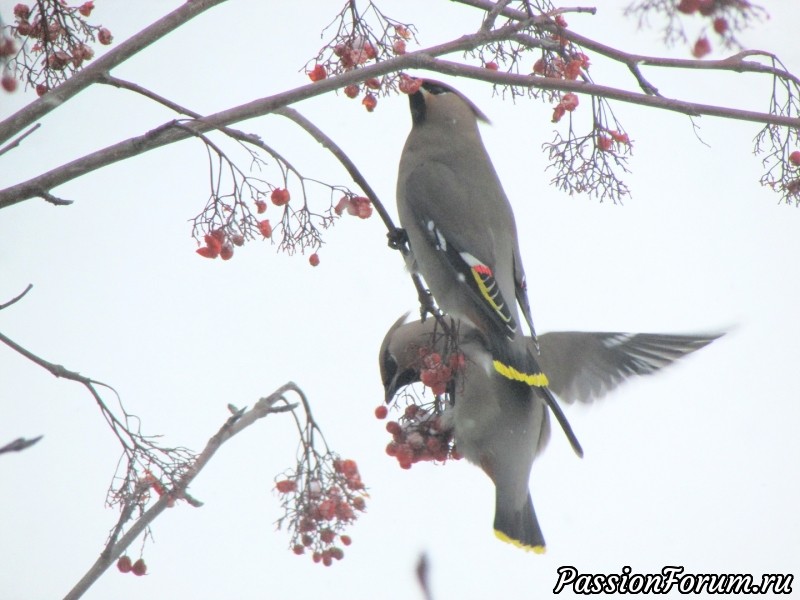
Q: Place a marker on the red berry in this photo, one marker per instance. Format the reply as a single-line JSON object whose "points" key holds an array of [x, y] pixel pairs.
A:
{"points": [[226, 252], [491, 65], [318, 73], [409, 85], [327, 536], [86, 8], [346, 540], [261, 206], [569, 101], [351, 91], [373, 83], [688, 6], [621, 138], [104, 36], [207, 252], [265, 228], [9, 83], [313, 260], [604, 143], [41, 89], [794, 158], [702, 47], [213, 242], [561, 21], [399, 46], [238, 239], [539, 66], [124, 564], [298, 549], [720, 25], [393, 427], [381, 412], [22, 11], [286, 485], [139, 568], [370, 102], [558, 112], [337, 553], [280, 196]]}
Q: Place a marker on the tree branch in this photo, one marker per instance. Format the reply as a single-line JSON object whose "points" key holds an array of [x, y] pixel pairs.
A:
{"points": [[14, 143], [234, 425], [18, 297], [91, 74]]}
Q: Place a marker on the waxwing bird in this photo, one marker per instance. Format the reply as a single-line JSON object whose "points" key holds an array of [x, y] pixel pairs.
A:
{"points": [[500, 424], [458, 220], [462, 233]]}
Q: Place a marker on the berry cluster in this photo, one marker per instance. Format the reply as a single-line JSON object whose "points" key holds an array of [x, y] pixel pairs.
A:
{"points": [[125, 565], [419, 435], [718, 12], [320, 506], [606, 140], [220, 243], [423, 431], [59, 34], [358, 206], [355, 51]]}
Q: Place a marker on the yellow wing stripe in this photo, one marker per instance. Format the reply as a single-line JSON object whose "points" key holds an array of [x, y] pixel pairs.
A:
{"points": [[488, 296], [509, 372], [509, 540]]}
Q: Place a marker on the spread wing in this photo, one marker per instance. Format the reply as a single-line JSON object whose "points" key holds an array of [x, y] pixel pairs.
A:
{"points": [[586, 366]]}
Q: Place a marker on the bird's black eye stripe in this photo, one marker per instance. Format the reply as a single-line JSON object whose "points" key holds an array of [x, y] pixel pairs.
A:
{"points": [[435, 88], [389, 368]]}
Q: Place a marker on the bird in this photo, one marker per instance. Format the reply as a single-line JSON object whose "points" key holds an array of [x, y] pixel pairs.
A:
{"points": [[462, 233], [501, 425]]}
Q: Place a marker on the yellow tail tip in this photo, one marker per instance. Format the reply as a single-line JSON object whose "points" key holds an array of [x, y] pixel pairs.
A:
{"points": [[503, 537], [509, 372]]}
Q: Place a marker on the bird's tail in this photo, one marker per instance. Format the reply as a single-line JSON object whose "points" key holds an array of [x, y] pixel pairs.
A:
{"points": [[518, 525]]}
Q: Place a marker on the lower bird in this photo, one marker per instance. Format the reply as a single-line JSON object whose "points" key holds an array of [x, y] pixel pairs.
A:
{"points": [[500, 424]]}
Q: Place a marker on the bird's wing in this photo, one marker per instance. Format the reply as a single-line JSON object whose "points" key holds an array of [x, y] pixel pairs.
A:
{"points": [[585, 366], [438, 202]]}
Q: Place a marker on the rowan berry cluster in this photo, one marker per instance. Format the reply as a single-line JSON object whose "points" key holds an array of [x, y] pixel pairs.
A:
{"points": [[319, 506], [125, 565], [56, 41], [358, 206], [424, 432], [220, 242], [362, 38]]}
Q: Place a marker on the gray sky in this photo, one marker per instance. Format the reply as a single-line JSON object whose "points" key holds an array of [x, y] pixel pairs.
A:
{"points": [[696, 467]]}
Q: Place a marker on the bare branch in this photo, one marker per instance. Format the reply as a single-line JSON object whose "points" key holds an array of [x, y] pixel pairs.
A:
{"points": [[14, 143], [232, 426], [17, 298], [342, 157], [19, 444]]}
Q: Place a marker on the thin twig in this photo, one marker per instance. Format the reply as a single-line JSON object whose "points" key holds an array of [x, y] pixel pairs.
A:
{"points": [[17, 298], [14, 143], [19, 444]]}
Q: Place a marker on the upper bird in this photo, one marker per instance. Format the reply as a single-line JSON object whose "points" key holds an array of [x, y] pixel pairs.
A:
{"points": [[462, 232], [459, 222]]}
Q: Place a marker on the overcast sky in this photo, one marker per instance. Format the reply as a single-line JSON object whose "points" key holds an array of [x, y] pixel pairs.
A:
{"points": [[696, 467]]}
